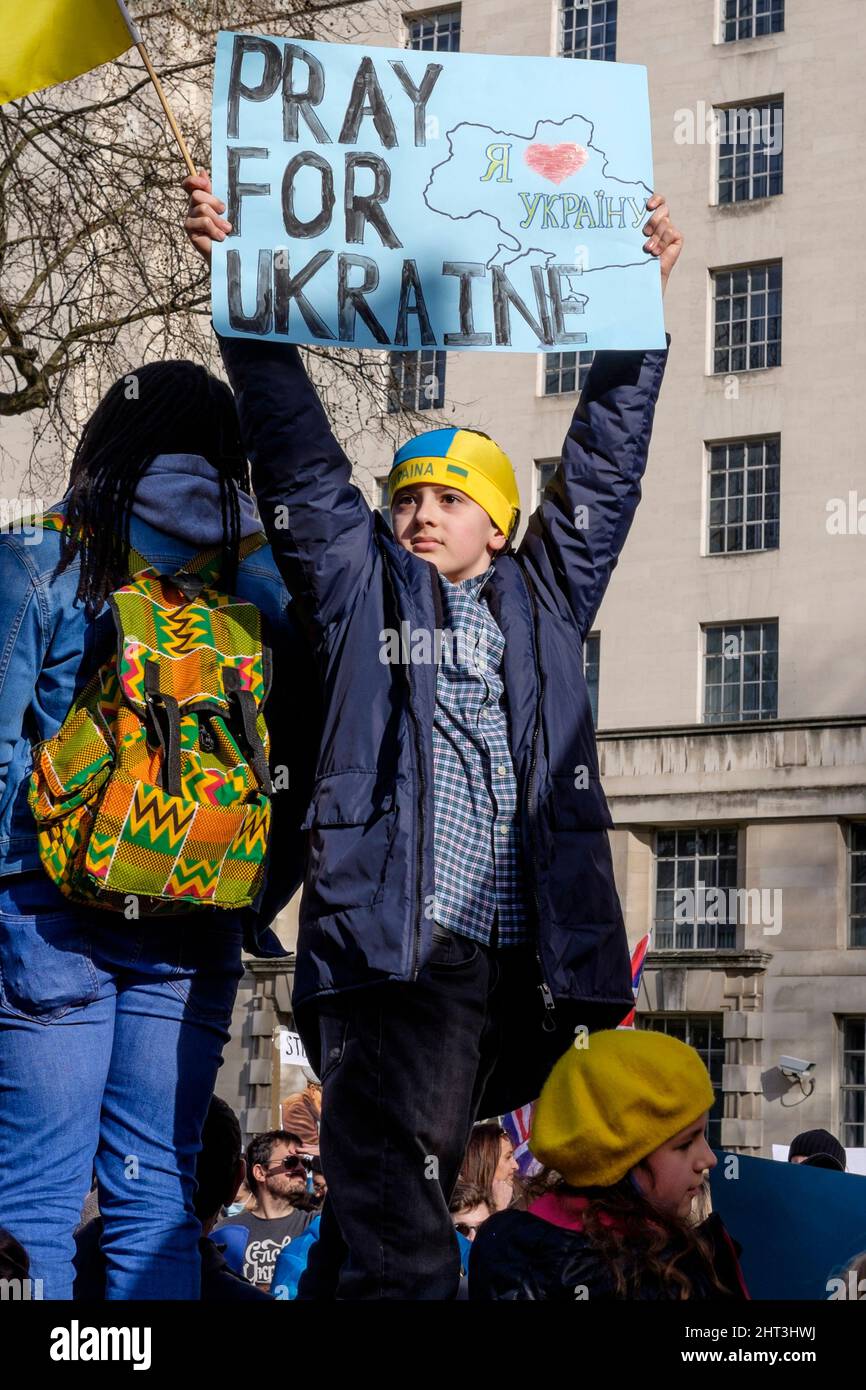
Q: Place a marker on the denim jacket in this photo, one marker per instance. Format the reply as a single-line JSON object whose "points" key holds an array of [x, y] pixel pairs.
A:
{"points": [[49, 649]]}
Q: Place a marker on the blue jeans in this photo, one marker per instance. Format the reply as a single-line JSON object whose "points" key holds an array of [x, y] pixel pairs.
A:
{"points": [[111, 1035]]}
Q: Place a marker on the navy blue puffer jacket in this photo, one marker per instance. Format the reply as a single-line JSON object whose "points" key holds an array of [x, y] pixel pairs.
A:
{"points": [[369, 883]]}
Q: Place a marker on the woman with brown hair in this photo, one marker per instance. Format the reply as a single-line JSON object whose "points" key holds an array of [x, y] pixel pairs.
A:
{"points": [[623, 1121], [489, 1164]]}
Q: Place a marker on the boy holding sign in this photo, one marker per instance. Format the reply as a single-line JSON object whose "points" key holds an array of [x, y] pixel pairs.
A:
{"points": [[460, 921]]}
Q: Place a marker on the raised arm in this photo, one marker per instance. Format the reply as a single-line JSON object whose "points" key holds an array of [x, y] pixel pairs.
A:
{"points": [[574, 537], [318, 523]]}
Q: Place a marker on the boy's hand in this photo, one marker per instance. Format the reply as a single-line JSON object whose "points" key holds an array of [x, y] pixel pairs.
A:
{"points": [[665, 240], [203, 224]]}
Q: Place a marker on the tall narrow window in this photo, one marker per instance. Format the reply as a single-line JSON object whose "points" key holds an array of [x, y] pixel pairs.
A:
{"points": [[853, 1082], [747, 318], [416, 380], [741, 669], [743, 496], [857, 884], [435, 31], [565, 372], [696, 880], [750, 152], [588, 29], [751, 19]]}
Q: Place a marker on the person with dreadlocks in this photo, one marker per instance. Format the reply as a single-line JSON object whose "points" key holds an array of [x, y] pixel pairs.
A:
{"points": [[112, 1030]]}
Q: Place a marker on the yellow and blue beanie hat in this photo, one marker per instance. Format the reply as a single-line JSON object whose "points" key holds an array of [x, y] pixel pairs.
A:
{"points": [[469, 462]]}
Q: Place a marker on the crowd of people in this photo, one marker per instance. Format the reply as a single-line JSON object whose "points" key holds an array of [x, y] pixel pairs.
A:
{"points": [[617, 1206]]}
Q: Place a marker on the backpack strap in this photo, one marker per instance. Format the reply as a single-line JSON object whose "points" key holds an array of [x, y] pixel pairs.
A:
{"points": [[247, 706], [165, 715]]}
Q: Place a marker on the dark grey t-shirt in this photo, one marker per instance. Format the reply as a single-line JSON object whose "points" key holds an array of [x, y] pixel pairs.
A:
{"points": [[266, 1238]]}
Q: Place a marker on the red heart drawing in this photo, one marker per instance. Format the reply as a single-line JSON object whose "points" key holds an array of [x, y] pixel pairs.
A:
{"points": [[556, 162]]}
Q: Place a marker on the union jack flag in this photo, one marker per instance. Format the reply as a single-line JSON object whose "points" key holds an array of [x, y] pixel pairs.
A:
{"points": [[517, 1125], [637, 964]]}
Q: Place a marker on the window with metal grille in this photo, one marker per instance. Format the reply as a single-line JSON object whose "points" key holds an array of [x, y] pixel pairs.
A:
{"points": [[747, 318], [435, 31], [750, 19], [741, 670], [696, 880], [750, 151], [416, 380], [743, 495], [566, 371], [857, 884], [704, 1033], [587, 29], [853, 1082]]}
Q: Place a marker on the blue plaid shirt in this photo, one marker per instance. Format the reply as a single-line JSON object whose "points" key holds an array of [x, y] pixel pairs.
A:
{"points": [[479, 870]]}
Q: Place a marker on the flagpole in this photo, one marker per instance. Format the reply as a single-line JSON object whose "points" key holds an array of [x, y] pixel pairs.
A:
{"points": [[135, 35]]}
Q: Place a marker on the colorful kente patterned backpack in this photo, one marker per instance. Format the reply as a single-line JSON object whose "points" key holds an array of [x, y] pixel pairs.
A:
{"points": [[157, 784]]}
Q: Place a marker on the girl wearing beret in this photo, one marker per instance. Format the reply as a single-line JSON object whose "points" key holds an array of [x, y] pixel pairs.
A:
{"points": [[622, 1120]]}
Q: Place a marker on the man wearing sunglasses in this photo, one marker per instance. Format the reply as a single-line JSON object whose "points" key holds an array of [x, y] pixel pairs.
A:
{"points": [[277, 1176]]}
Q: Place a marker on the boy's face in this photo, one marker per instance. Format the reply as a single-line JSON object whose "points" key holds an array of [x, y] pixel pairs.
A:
{"points": [[673, 1175], [443, 525]]}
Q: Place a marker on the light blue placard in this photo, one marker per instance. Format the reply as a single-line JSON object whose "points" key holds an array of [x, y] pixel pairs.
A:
{"points": [[405, 199]]}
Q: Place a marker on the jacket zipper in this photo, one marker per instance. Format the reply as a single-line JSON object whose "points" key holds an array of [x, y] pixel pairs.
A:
{"points": [[419, 759], [549, 1023]]}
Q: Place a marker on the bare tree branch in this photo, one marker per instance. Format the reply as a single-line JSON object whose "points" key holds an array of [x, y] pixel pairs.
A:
{"points": [[96, 275]]}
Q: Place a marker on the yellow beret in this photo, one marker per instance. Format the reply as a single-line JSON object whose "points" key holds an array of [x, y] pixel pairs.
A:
{"points": [[607, 1105]]}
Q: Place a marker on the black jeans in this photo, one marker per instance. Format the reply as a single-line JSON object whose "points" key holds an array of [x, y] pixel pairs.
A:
{"points": [[403, 1073]]}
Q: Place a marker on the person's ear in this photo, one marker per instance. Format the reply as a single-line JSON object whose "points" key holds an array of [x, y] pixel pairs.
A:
{"points": [[497, 540]]}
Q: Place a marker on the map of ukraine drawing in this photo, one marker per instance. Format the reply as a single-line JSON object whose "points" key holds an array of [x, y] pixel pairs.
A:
{"points": [[525, 216]]}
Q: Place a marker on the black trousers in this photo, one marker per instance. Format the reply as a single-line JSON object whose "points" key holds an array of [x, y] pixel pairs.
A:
{"points": [[404, 1068]]}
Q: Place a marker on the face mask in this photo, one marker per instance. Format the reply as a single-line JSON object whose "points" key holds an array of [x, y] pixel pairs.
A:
{"points": [[235, 1208]]}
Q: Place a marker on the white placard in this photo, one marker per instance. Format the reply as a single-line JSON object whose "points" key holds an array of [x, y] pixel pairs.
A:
{"points": [[292, 1052]]}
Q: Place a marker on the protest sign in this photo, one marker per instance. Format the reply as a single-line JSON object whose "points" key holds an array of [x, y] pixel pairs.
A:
{"points": [[405, 199], [799, 1226], [292, 1051]]}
